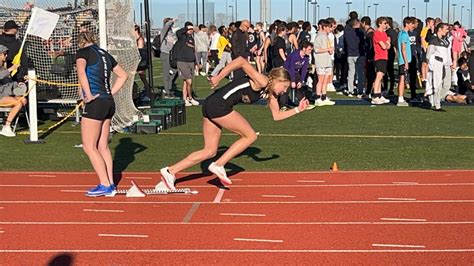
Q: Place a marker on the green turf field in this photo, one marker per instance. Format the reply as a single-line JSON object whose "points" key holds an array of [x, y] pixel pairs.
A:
{"points": [[356, 137]]}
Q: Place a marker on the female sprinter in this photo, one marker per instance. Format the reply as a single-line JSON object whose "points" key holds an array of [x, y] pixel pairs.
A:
{"points": [[218, 113], [94, 67]]}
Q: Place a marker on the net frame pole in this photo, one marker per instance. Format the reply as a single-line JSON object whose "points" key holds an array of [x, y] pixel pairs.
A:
{"points": [[32, 109], [102, 24], [148, 45]]}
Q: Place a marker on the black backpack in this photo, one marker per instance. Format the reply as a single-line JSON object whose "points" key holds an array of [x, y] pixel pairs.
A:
{"points": [[156, 46], [174, 54]]}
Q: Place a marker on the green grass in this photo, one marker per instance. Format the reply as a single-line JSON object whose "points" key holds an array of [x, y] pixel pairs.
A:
{"points": [[356, 137]]}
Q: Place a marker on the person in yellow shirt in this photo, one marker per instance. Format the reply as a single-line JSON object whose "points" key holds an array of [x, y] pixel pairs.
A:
{"points": [[223, 51], [426, 35]]}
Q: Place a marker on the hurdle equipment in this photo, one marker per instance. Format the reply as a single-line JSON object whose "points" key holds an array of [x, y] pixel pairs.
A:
{"points": [[160, 189]]}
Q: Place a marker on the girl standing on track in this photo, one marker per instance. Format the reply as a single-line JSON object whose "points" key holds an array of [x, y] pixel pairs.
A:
{"points": [[218, 113], [94, 71]]}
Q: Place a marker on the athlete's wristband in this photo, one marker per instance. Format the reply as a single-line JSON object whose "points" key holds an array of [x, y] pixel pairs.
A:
{"points": [[297, 110]]}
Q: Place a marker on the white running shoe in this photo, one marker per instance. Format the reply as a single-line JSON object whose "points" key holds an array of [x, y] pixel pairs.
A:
{"points": [[318, 102], [328, 102], [7, 131], [167, 178], [384, 100], [377, 101], [193, 102], [219, 171], [187, 103]]}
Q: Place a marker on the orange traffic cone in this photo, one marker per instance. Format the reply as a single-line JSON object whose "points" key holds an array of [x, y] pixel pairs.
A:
{"points": [[334, 167]]}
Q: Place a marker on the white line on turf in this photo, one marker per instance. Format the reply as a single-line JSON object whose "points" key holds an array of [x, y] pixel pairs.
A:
{"points": [[243, 214], [95, 210], [397, 246], [219, 196], [278, 196], [240, 223], [258, 240], [398, 199], [403, 219], [120, 235], [128, 251]]}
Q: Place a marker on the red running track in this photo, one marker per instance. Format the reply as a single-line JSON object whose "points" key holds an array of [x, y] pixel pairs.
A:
{"points": [[401, 217]]}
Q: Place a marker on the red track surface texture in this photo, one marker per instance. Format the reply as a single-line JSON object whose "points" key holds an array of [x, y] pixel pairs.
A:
{"points": [[376, 218]]}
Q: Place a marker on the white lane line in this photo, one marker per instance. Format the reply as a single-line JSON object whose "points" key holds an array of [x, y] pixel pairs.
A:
{"points": [[405, 183], [278, 196], [73, 191], [239, 223], [219, 196], [120, 235], [1, 208], [243, 214], [238, 251], [95, 210], [190, 213], [258, 240], [139, 177], [259, 186], [41, 175], [1, 231], [310, 181], [398, 246], [402, 199], [403, 219], [233, 202]]}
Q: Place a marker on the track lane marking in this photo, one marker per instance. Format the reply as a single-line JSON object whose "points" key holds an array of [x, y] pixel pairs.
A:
{"points": [[405, 183], [259, 186], [403, 219], [139, 177], [219, 195], [278, 196], [398, 199], [310, 181], [190, 213], [243, 214], [242, 223], [236, 202], [40, 175], [238, 251], [96, 210], [258, 240], [73, 191], [398, 246], [121, 235]]}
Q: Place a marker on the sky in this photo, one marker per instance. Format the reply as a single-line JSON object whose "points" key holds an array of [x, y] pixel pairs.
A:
{"points": [[281, 8]]}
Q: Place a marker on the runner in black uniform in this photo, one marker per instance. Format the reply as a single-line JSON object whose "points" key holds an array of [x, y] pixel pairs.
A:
{"points": [[94, 71], [218, 113]]}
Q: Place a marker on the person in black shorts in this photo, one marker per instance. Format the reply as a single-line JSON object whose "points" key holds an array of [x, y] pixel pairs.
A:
{"points": [[94, 71], [381, 45], [218, 113]]}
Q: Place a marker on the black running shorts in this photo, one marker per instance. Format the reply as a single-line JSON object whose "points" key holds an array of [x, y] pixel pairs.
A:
{"points": [[99, 109], [381, 66]]}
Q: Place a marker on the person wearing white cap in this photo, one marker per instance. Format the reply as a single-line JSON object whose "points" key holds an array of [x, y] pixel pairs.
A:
{"points": [[8, 88]]}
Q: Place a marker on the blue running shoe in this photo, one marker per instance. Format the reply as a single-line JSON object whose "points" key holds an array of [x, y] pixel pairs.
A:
{"points": [[99, 191], [113, 191]]}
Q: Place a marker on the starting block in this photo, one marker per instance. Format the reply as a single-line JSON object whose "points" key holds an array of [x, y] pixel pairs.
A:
{"points": [[160, 189]]}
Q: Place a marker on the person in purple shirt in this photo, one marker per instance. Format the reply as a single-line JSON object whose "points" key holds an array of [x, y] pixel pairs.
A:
{"points": [[297, 65]]}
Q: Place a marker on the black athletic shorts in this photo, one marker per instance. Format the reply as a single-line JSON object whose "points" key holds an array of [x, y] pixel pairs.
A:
{"points": [[423, 56], [215, 107], [381, 66], [99, 109]]}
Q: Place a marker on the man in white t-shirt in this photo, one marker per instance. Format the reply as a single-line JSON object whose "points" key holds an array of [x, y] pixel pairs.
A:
{"points": [[214, 34]]}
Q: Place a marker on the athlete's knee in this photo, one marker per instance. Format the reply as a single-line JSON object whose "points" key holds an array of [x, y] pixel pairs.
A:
{"points": [[89, 148], [252, 137]]}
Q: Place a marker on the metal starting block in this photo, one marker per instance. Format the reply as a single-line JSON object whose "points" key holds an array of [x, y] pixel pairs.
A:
{"points": [[160, 189]]}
